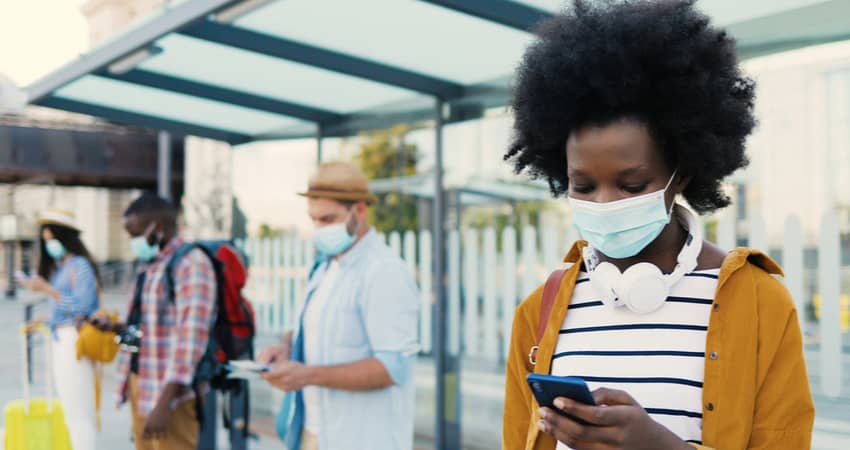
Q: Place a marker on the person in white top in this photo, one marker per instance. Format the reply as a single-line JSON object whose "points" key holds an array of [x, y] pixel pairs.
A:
{"points": [[623, 107], [69, 277], [349, 365]]}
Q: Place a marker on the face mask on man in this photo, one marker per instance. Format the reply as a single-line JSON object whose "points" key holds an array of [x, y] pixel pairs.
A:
{"points": [[331, 240], [142, 248]]}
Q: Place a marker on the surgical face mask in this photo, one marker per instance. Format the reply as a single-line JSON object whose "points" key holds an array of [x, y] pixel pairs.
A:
{"points": [[331, 240], [621, 229], [55, 249], [143, 250]]}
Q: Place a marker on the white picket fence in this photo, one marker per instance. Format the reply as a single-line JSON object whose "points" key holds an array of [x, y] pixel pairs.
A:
{"points": [[487, 281]]}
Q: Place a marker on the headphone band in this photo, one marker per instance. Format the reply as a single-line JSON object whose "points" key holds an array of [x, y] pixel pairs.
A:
{"points": [[686, 261]]}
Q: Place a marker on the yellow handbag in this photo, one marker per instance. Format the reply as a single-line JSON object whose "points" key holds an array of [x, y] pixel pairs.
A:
{"points": [[97, 345], [100, 347]]}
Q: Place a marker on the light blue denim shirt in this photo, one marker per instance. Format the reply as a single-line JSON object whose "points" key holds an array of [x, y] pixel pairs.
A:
{"points": [[372, 312], [75, 280]]}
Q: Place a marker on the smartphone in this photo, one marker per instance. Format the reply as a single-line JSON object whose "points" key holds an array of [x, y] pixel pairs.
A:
{"points": [[247, 366], [20, 276], [547, 388]]}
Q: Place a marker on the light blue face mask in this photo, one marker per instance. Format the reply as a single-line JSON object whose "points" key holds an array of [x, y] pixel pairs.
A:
{"points": [[331, 240], [623, 228], [143, 250], [55, 249]]}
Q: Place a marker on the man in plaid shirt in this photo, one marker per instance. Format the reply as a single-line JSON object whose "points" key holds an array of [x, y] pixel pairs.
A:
{"points": [[158, 378]]}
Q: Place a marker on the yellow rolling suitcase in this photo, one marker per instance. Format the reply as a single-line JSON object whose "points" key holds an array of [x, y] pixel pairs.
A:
{"points": [[36, 423]]}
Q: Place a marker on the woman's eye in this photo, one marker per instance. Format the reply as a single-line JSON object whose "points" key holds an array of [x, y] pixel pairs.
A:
{"points": [[634, 188], [581, 188]]}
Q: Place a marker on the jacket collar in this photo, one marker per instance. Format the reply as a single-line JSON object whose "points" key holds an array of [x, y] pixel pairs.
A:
{"points": [[359, 248]]}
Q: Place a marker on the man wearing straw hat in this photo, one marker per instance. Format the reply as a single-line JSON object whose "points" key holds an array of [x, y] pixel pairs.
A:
{"points": [[348, 371]]}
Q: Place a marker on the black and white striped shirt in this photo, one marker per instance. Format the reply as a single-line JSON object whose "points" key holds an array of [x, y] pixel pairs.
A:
{"points": [[658, 358]]}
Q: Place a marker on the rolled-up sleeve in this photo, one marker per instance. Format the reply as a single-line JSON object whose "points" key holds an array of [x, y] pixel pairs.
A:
{"points": [[194, 298], [391, 311], [80, 299], [398, 365]]}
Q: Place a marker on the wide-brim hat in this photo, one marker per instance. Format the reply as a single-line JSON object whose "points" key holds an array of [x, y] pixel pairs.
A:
{"points": [[340, 181], [59, 217]]}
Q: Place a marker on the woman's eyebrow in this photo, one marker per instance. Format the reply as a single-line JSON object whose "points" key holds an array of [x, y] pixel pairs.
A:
{"points": [[624, 172]]}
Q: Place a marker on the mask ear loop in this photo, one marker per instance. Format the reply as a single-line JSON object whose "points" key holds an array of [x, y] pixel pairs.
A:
{"points": [[358, 225], [669, 182], [150, 228]]}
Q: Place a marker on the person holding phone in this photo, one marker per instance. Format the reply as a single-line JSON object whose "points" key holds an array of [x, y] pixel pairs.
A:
{"points": [[348, 366], [631, 110], [69, 277]]}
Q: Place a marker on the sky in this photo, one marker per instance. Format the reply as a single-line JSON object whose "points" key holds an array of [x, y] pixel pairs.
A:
{"points": [[37, 36]]}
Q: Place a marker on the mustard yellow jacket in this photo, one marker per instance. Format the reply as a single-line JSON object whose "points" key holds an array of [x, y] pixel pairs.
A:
{"points": [[756, 391]]}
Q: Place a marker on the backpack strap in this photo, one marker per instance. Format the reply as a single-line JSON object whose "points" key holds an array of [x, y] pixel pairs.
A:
{"points": [[171, 269], [169, 289], [547, 301], [174, 261], [135, 315]]}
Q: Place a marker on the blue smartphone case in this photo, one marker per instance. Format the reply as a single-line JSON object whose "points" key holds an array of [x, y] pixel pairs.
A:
{"points": [[547, 388]]}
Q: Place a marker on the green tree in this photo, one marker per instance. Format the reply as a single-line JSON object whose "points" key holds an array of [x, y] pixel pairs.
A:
{"points": [[385, 154], [501, 216], [267, 231]]}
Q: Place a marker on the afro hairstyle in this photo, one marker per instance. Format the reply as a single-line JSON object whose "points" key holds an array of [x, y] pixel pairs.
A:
{"points": [[659, 62]]}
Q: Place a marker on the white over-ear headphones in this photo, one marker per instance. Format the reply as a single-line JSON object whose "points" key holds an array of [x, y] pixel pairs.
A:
{"points": [[642, 287]]}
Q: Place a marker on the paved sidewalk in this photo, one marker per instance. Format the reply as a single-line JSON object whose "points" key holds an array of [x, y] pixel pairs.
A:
{"points": [[115, 430], [481, 403]]}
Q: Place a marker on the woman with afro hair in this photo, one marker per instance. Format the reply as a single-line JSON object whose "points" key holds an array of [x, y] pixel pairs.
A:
{"points": [[629, 109]]}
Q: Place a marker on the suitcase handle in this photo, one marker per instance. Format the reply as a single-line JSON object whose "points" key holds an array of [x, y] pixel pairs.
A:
{"points": [[48, 336], [48, 339], [25, 368]]}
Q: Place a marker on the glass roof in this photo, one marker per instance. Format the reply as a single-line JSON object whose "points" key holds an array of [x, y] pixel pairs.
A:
{"points": [[419, 36], [169, 105], [288, 66], [272, 77], [547, 5]]}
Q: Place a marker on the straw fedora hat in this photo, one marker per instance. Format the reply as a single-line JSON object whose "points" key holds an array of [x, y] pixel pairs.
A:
{"points": [[60, 217], [339, 181]]}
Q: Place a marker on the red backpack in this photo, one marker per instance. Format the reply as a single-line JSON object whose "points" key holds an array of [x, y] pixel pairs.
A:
{"points": [[232, 333], [240, 313]]}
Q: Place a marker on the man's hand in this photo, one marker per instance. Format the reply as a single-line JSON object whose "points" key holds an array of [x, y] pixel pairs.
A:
{"points": [[288, 375], [274, 354], [277, 353], [618, 423], [157, 423]]}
